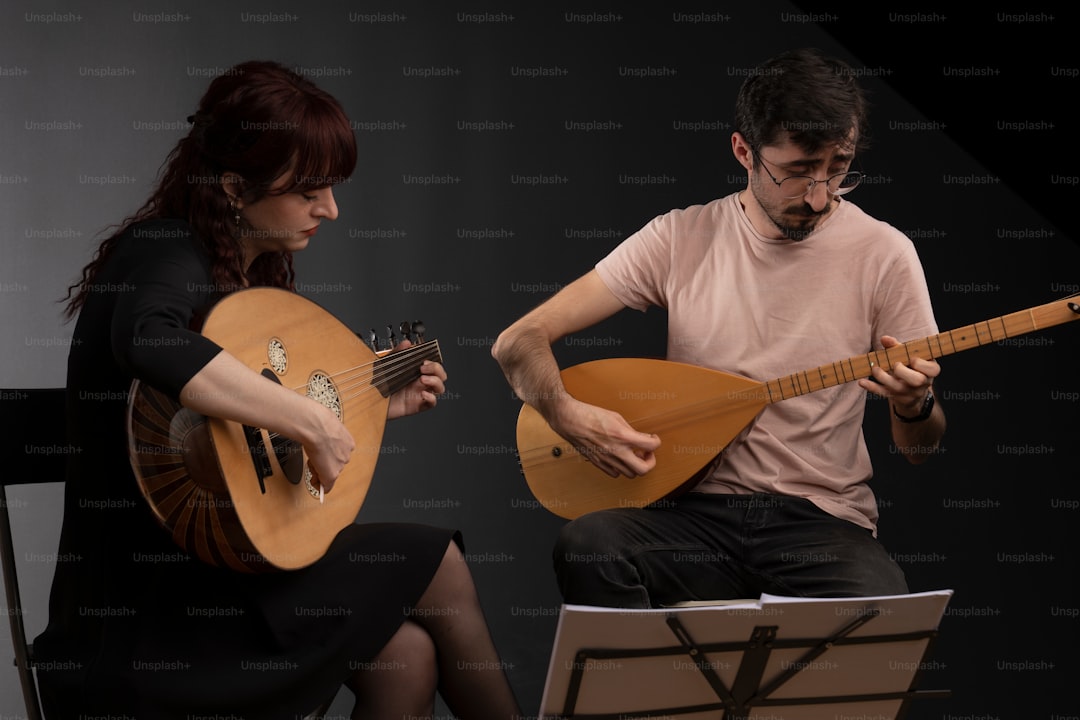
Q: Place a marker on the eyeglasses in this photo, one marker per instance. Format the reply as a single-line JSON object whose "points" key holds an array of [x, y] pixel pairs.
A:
{"points": [[798, 186]]}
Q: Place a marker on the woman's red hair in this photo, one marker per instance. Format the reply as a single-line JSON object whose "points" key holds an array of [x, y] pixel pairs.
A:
{"points": [[261, 121]]}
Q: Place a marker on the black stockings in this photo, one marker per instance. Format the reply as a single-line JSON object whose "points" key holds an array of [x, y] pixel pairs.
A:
{"points": [[444, 646]]}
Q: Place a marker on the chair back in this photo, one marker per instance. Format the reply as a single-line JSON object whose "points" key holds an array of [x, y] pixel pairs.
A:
{"points": [[33, 444]]}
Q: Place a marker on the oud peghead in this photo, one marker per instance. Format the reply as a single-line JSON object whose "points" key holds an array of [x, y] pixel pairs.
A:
{"points": [[411, 331]]}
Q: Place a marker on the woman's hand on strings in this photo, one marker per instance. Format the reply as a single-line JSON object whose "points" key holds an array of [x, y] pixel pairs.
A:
{"points": [[328, 447], [421, 394]]}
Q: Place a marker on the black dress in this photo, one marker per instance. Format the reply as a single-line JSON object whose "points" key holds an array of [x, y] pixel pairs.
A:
{"points": [[138, 628]]}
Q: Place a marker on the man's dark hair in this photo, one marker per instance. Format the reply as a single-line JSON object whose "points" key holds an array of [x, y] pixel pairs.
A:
{"points": [[810, 97]]}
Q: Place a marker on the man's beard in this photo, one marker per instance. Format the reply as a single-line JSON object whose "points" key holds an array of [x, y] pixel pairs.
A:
{"points": [[796, 223]]}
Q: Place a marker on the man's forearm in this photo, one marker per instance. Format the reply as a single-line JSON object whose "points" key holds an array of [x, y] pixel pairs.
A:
{"points": [[526, 359]]}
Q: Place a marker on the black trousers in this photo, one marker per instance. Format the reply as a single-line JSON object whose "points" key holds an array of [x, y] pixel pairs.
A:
{"points": [[719, 547]]}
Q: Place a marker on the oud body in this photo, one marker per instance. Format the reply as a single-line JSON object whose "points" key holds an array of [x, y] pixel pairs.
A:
{"points": [[237, 496]]}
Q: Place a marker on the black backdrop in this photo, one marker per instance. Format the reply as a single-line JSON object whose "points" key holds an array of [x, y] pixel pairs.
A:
{"points": [[503, 150]]}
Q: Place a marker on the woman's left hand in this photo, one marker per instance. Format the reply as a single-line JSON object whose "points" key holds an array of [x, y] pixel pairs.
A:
{"points": [[421, 394]]}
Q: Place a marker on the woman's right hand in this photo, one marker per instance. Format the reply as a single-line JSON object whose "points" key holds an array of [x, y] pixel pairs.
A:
{"points": [[227, 388], [328, 446]]}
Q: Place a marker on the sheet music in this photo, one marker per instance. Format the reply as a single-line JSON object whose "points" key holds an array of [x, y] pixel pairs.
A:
{"points": [[614, 661]]}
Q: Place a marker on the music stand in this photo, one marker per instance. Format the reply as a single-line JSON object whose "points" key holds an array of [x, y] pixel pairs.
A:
{"points": [[776, 658]]}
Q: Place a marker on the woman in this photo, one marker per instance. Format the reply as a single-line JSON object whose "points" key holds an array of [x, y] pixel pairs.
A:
{"points": [[139, 628]]}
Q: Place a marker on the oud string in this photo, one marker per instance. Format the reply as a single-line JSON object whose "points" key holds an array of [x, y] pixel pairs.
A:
{"points": [[383, 370], [391, 370]]}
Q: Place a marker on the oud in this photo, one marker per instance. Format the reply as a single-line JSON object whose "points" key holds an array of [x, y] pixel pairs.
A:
{"points": [[237, 496]]}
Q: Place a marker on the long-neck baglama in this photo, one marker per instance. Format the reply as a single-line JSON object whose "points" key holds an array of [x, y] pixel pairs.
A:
{"points": [[698, 411]]}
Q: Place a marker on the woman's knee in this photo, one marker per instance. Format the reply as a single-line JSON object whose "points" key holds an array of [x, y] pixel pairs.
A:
{"points": [[411, 641], [401, 680], [409, 651]]}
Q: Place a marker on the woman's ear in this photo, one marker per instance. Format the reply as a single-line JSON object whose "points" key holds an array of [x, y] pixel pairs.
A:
{"points": [[233, 187]]}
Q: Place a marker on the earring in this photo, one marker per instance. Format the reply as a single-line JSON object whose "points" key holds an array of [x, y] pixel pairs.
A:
{"points": [[236, 212]]}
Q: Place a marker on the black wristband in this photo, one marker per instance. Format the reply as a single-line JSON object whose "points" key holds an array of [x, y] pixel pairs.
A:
{"points": [[927, 408]]}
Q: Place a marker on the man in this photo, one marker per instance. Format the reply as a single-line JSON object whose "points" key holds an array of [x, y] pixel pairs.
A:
{"points": [[783, 276]]}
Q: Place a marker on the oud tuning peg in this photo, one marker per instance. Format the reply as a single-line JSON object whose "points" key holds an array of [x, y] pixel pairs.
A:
{"points": [[391, 338], [406, 330], [419, 329], [373, 340]]}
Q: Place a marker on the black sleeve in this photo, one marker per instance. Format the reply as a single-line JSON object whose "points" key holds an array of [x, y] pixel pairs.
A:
{"points": [[163, 290]]}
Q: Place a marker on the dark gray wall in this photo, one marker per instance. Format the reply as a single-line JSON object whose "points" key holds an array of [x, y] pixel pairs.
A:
{"points": [[502, 152]]}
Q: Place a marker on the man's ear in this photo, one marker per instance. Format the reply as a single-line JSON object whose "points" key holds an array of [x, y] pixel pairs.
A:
{"points": [[742, 151], [233, 187]]}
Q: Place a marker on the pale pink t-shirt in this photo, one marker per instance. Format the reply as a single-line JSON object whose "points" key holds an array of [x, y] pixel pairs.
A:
{"points": [[764, 309]]}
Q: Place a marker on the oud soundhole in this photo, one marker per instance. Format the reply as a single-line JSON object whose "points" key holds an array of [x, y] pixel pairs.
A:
{"points": [[277, 357], [322, 390], [312, 490]]}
